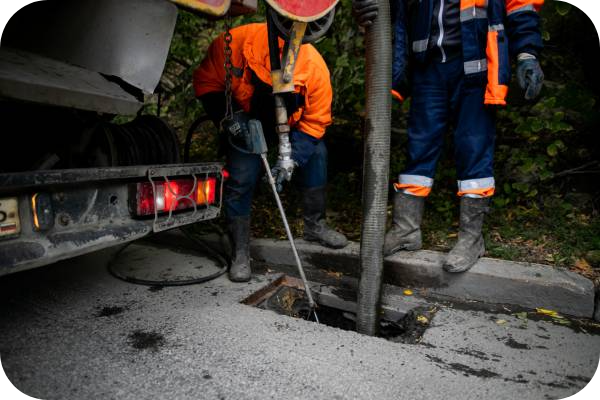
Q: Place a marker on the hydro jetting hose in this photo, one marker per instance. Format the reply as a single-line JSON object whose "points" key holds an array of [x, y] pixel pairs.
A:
{"points": [[375, 168]]}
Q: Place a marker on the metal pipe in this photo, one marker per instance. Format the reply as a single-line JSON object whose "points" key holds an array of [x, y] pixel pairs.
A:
{"points": [[375, 168], [311, 301]]}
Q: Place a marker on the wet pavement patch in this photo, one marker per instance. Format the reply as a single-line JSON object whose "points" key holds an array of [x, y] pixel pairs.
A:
{"points": [[462, 368], [518, 379], [473, 353], [516, 345], [578, 378], [110, 311], [146, 340], [286, 296], [467, 371]]}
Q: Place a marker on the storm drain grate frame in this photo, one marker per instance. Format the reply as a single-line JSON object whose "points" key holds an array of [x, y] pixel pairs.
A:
{"points": [[285, 296]]}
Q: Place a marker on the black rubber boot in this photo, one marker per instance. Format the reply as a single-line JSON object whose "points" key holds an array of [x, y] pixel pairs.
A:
{"points": [[470, 245], [405, 233], [239, 232], [315, 225]]}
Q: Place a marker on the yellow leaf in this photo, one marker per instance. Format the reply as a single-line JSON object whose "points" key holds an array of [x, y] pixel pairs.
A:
{"points": [[408, 292], [452, 235], [584, 268], [501, 321], [583, 265], [422, 319], [549, 313]]}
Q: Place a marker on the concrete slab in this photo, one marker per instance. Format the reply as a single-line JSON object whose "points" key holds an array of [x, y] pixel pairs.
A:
{"points": [[490, 280], [73, 331]]}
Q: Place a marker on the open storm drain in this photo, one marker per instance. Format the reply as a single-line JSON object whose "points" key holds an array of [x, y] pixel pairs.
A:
{"points": [[286, 296]]}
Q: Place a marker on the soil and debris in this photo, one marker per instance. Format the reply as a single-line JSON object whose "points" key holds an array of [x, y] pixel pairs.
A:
{"points": [[292, 302]]}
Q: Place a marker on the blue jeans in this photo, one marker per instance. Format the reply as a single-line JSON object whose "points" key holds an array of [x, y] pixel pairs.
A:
{"points": [[246, 169], [443, 98]]}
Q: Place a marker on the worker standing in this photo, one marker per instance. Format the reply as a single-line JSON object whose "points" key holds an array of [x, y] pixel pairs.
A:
{"points": [[454, 58], [310, 109]]}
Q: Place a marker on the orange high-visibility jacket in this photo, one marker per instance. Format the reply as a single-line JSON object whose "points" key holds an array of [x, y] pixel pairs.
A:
{"points": [[250, 51]]}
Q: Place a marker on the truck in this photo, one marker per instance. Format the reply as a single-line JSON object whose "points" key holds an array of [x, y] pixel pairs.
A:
{"points": [[72, 179]]}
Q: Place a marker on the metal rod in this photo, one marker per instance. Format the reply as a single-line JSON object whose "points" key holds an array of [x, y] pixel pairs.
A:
{"points": [[311, 302]]}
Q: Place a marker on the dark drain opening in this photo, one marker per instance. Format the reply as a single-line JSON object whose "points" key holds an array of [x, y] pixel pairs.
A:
{"points": [[286, 296]]}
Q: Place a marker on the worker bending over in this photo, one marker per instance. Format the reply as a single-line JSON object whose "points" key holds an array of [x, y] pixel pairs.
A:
{"points": [[310, 110], [454, 58]]}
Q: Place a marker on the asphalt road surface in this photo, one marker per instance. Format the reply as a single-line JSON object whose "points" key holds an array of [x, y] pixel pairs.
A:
{"points": [[73, 331]]}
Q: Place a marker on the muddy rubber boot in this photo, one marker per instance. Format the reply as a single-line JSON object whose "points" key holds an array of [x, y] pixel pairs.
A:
{"points": [[315, 225], [405, 233], [470, 245], [239, 232]]}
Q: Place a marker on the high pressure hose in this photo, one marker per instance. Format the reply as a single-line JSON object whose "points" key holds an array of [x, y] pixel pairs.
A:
{"points": [[375, 168]]}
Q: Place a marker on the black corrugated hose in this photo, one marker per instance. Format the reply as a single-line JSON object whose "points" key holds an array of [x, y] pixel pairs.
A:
{"points": [[375, 167]]}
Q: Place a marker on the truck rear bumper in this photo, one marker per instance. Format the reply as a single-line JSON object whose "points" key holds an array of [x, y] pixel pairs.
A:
{"points": [[90, 209]]}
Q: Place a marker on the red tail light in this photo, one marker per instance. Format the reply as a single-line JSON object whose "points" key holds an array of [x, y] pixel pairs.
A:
{"points": [[174, 195]]}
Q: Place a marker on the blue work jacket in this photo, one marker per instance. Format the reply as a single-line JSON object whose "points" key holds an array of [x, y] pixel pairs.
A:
{"points": [[492, 31]]}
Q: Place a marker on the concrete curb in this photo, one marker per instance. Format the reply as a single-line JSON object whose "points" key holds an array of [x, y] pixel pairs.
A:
{"points": [[490, 280], [597, 313]]}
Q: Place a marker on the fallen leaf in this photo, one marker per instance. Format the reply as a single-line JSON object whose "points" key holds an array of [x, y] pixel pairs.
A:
{"points": [[334, 274], [501, 321], [521, 315], [549, 313], [452, 235], [422, 319], [408, 292], [583, 267]]}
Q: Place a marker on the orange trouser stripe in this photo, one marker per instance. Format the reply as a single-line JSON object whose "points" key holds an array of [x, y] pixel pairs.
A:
{"points": [[397, 95], [415, 190], [487, 192]]}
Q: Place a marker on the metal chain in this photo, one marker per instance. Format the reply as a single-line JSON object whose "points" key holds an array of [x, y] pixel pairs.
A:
{"points": [[228, 68]]}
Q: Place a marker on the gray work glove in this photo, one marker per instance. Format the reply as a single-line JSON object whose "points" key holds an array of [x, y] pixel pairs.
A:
{"points": [[365, 11], [282, 172], [529, 75]]}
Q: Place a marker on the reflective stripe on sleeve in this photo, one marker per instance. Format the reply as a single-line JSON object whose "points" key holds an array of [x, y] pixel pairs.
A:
{"points": [[528, 7], [420, 46], [472, 13], [472, 67]]}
